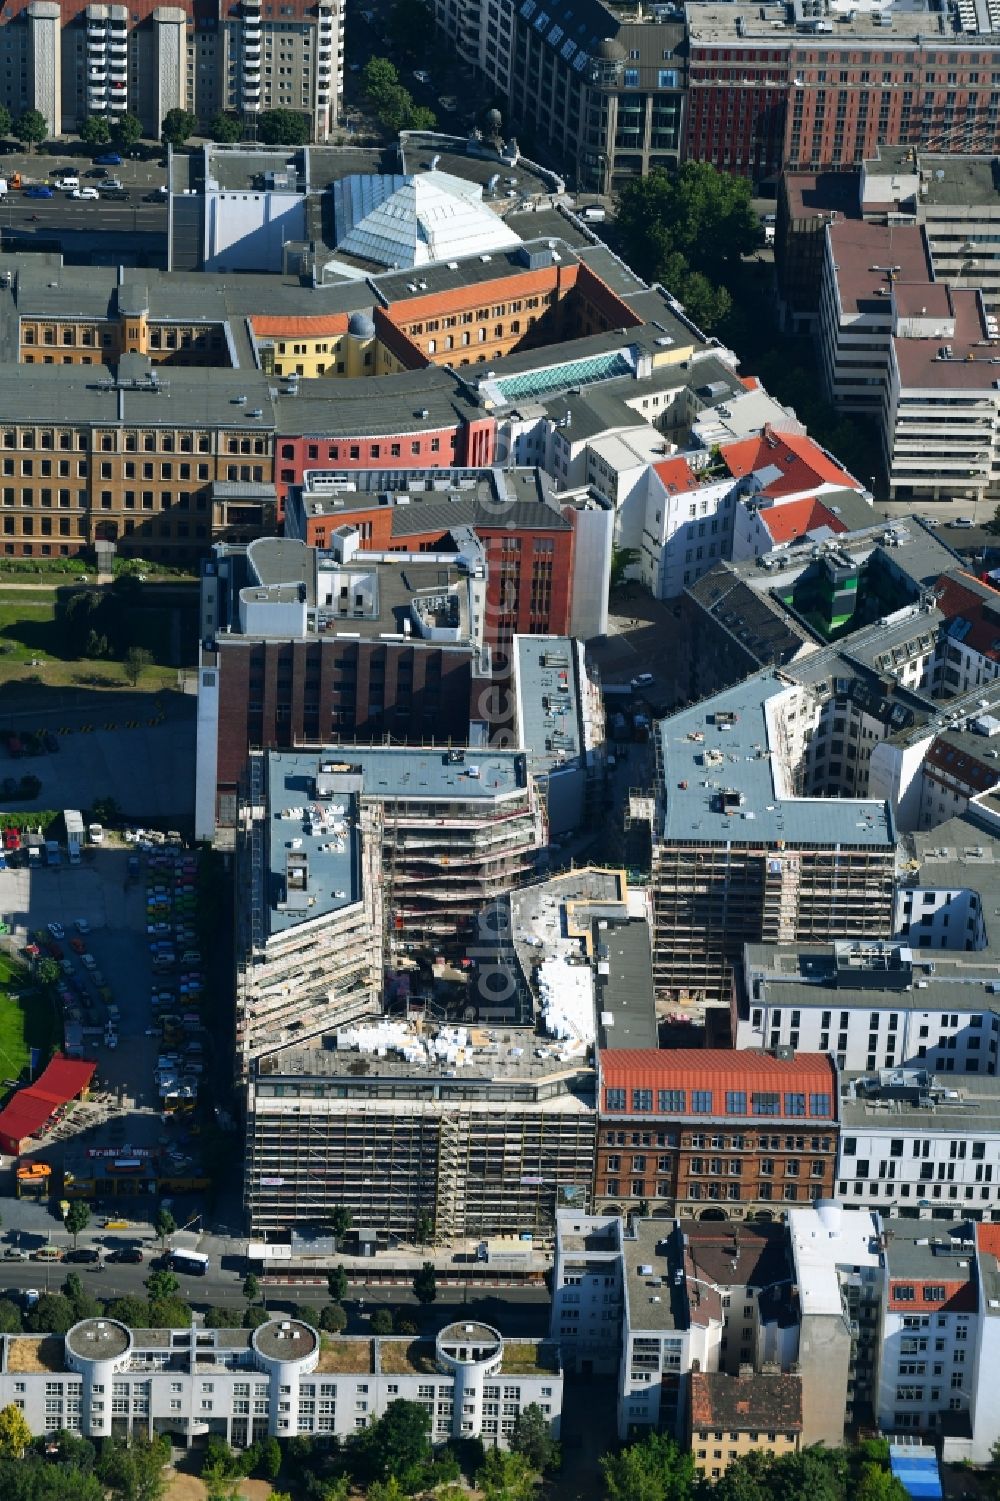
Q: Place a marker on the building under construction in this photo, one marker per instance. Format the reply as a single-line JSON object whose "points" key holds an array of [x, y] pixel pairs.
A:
{"points": [[738, 856], [485, 1133]]}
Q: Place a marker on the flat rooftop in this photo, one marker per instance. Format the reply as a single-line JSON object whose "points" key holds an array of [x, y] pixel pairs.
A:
{"points": [[404, 1051], [285, 1339], [914, 1249], [785, 25], [826, 1237], [549, 708], [958, 180], [735, 724], [312, 849], [626, 1009], [98, 1339], [404, 772], [962, 1105], [859, 247]]}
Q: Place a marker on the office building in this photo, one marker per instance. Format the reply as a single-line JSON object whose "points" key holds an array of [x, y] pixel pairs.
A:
{"points": [[681, 1131], [559, 720], [299, 646], [743, 852], [282, 1380], [484, 1135]]}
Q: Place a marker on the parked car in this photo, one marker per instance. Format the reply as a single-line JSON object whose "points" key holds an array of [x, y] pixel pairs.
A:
{"points": [[57, 930], [14, 1253], [963, 521], [91, 194], [85, 1254], [108, 159], [38, 190], [130, 1255]]}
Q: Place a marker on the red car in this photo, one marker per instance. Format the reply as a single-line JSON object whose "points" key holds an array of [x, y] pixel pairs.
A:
{"points": [[32, 950], [78, 946], [12, 839]]}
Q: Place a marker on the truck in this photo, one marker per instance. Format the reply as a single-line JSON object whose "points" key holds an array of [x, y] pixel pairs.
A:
{"points": [[74, 834]]}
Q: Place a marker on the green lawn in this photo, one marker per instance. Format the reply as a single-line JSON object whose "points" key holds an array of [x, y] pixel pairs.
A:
{"points": [[21, 1029]]}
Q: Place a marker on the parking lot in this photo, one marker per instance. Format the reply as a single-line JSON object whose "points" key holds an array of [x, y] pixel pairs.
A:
{"points": [[136, 1015]]}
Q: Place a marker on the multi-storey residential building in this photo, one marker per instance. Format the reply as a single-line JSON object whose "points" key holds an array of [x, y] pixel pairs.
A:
{"points": [[482, 1135], [310, 923], [918, 1146], [733, 1416], [71, 60], [600, 89], [102, 1379], [587, 1291], [927, 1350], [681, 1130]]}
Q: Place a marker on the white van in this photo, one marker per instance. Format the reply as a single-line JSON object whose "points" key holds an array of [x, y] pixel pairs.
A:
{"points": [[69, 182]]}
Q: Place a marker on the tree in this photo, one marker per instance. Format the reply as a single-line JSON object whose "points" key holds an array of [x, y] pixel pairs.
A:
{"points": [[10, 1317], [283, 127], [52, 1314], [77, 1218], [378, 78], [137, 659], [105, 811], [164, 1225], [134, 1471], [385, 1490], [47, 973], [127, 130], [398, 1444], [622, 559], [505, 1476], [270, 1458], [31, 128], [160, 1284], [340, 1222], [130, 1310], [876, 1483], [223, 1318], [15, 1435], [178, 125], [255, 1316], [94, 131], [381, 1321], [532, 1437], [225, 128], [251, 1287], [654, 1469], [993, 525], [336, 1283], [169, 1313], [424, 1228], [333, 1319], [5, 121], [425, 1283]]}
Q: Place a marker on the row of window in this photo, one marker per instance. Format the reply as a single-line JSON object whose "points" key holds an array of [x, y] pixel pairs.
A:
{"points": [[703, 1102]]}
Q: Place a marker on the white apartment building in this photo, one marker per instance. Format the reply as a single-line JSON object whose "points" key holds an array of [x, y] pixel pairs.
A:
{"points": [[587, 1293], [913, 1145], [873, 1005], [103, 1379], [929, 1326]]}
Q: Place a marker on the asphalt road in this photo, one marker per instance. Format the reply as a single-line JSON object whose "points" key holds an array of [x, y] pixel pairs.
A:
{"points": [[63, 212], [515, 1311]]}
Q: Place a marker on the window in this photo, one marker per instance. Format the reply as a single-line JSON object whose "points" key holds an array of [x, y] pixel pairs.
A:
{"points": [[795, 1104], [642, 1099], [765, 1103], [736, 1102], [614, 1099], [701, 1101], [671, 1099], [819, 1104]]}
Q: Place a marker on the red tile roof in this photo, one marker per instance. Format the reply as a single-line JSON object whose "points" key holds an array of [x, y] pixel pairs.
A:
{"points": [[765, 1402], [803, 464], [720, 1071], [961, 595], [959, 1297], [676, 475], [794, 519], [312, 325], [988, 1239]]}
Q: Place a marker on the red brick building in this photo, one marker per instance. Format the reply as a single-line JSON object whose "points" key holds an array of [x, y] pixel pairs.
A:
{"points": [[683, 1130]]}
